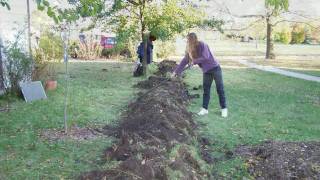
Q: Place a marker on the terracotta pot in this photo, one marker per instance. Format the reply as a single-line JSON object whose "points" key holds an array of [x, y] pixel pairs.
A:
{"points": [[51, 85]]}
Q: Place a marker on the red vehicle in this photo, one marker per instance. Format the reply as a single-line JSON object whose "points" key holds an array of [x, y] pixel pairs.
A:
{"points": [[107, 42]]}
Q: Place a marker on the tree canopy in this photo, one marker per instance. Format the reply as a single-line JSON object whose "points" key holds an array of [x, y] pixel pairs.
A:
{"points": [[4, 3], [276, 6], [163, 19]]}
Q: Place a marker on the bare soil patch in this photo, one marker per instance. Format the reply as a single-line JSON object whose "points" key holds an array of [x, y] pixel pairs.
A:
{"points": [[282, 160], [75, 133]]}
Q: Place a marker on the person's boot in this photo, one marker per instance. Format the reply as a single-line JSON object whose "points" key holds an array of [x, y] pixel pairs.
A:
{"points": [[202, 112], [224, 112]]}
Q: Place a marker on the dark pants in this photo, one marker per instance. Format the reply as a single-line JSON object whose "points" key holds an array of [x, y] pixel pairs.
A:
{"points": [[208, 77]]}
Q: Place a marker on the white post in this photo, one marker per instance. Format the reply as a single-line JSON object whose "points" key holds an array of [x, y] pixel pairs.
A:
{"points": [[65, 38], [2, 88]]}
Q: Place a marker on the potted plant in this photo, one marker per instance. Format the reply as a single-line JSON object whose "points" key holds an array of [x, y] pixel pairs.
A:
{"points": [[51, 82], [51, 52]]}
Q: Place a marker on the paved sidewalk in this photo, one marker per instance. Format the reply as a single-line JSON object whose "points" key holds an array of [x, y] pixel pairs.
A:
{"points": [[280, 71]]}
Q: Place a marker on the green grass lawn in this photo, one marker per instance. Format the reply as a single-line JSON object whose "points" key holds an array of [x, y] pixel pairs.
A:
{"points": [[262, 106], [229, 47], [96, 98]]}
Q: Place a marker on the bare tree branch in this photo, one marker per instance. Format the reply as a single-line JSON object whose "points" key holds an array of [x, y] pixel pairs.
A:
{"points": [[300, 14], [132, 11], [251, 16], [299, 22], [247, 27], [225, 9], [133, 2]]}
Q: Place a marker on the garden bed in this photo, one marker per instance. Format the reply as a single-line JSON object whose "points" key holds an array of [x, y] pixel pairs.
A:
{"points": [[154, 136]]}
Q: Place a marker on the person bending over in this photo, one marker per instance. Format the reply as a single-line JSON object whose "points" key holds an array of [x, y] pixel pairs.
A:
{"points": [[198, 52]]}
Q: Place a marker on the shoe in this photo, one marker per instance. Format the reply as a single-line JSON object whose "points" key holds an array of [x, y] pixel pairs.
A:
{"points": [[203, 111], [224, 112]]}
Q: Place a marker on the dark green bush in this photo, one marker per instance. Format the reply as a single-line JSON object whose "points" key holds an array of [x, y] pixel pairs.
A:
{"points": [[107, 53], [18, 66]]}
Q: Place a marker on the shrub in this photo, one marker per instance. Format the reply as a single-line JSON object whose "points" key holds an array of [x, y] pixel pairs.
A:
{"points": [[74, 49], [51, 46], [107, 53], [126, 53], [89, 50], [315, 35], [40, 65], [49, 51], [125, 47], [298, 35], [164, 48], [283, 37], [18, 65], [308, 35]]}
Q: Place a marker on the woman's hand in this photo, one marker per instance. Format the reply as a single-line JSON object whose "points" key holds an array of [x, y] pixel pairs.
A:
{"points": [[173, 75]]}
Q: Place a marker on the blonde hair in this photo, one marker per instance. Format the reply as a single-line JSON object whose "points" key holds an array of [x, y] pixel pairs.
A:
{"points": [[192, 46]]}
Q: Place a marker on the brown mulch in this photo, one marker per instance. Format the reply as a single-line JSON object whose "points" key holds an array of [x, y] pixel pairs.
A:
{"points": [[282, 160], [153, 125]]}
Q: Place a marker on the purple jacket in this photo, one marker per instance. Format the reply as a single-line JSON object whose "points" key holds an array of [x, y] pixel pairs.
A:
{"points": [[206, 61]]}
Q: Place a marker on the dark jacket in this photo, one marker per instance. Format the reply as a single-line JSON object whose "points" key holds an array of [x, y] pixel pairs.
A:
{"points": [[140, 52]]}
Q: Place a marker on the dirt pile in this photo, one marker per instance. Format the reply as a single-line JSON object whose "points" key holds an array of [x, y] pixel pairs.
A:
{"points": [[154, 134], [153, 81], [165, 66], [283, 160]]}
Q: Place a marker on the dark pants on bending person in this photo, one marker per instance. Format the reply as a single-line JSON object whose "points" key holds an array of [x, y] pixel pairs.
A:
{"points": [[208, 77]]}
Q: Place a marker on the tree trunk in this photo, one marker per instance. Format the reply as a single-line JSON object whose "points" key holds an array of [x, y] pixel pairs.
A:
{"points": [[145, 49], [144, 38], [145, 53], [1, 71], [29, 28], [29, 75], [269, 54]]}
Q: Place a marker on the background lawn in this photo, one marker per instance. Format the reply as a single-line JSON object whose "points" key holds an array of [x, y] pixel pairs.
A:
{"points": [[236, 48], [262, 106]]}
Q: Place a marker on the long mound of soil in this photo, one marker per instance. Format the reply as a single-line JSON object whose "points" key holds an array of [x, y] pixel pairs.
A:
{"points": [[154, 134], [283, 160], [165, 66]]}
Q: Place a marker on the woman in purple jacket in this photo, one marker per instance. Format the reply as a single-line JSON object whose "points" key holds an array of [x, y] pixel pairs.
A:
{"points": [[198, 52]]}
